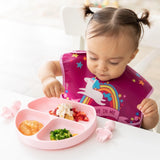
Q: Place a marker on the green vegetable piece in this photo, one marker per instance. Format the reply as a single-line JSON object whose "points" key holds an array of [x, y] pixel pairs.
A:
{"points": [[60, 134]]}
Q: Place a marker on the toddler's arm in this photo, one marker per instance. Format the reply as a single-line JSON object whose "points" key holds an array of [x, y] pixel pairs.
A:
{"points": [[149, 109], [47, 74]]}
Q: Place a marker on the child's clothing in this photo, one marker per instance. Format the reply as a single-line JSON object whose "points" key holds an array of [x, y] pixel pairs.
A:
{"points": [[116, 99]]}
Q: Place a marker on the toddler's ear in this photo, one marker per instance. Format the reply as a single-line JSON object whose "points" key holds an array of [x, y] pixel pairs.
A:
{"points": [[134, 54]]}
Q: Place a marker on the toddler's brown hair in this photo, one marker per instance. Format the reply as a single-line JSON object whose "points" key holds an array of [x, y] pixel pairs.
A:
{"points": [[113, 21]]}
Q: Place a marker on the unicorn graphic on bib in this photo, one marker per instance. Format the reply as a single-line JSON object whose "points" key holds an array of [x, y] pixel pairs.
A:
{"points": [[89, 91]]}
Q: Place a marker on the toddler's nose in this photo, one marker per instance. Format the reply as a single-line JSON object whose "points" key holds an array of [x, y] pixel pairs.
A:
{"points": [[102, 67]]}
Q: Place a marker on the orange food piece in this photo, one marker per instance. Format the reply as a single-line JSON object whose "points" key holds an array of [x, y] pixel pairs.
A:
{"points": [[30, 127]]}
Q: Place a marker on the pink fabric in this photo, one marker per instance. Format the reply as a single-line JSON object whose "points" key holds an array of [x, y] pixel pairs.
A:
{"points": [[115, 99]]}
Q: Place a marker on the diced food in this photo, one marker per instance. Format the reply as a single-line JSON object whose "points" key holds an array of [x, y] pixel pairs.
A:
{"points": [[60, 134], [65, 110]]}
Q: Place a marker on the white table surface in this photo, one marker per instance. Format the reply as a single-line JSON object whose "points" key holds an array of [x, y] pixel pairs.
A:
{"points": [[128, 142]]}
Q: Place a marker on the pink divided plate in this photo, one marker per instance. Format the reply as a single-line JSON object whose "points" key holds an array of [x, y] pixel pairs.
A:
{"points": [[39, 110]]}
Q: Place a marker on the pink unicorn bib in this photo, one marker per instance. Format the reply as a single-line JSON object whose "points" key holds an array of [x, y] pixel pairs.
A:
{"points": [[116, 99]]}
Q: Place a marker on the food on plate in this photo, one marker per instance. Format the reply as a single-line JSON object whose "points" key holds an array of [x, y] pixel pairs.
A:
{"points": [[60, 134], [69, 117], [79, 115], [30, 127], [66, 110]]}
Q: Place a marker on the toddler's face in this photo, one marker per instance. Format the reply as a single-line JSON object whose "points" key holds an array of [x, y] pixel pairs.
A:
{"points": [[107, 56]]}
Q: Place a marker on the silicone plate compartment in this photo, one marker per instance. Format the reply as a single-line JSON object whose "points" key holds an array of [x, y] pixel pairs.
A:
{"points": [[39, 110]]}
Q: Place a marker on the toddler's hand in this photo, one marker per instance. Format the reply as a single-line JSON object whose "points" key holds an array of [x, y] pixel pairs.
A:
{"points": [[148, 107], [52, 87]]}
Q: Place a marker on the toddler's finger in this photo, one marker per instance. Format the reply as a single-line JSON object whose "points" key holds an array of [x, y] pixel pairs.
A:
{"points": [[139, 106], [47, 93], [52, 92], [149, 104], [57, 91], [148, 110], [62, 89], [146, 100], [150, 114], [144, 105]]}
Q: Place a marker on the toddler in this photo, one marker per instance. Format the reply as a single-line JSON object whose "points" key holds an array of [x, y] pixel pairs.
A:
{"points": [[100, 76]]}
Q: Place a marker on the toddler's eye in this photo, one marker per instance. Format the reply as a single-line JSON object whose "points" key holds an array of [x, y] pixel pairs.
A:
{"points": [[93, 58], [114, 63]]}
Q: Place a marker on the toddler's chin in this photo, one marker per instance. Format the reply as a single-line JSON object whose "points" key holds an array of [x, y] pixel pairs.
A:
{"points": [[103, 78]]}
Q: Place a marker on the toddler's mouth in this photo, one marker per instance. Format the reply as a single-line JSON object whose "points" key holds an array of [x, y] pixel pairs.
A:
{"points": [[102, 74]]}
